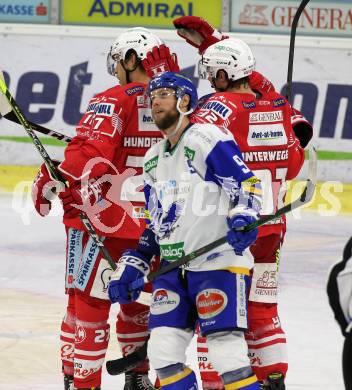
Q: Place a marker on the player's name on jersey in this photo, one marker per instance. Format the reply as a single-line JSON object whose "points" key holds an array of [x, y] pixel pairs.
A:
{"points": [[140, 142], [270, 155]]}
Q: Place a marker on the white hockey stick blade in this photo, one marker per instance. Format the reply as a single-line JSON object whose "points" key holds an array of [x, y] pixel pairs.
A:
{"points": [[5, 107], [312, 173]]}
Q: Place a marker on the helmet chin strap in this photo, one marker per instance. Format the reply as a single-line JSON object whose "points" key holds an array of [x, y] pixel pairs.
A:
{"points": [[180, 118], [217, 88], [127, 71]]}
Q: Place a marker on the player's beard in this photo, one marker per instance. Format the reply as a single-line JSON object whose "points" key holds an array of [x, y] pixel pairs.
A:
{"points": [[167, 120]]}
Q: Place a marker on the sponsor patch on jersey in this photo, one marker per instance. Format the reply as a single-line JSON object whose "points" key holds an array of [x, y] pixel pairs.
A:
{"points": [[211, 302], [101, 280], [279, 102], [164, 301], [104, 109], [218, 108], [265, 135], [264, 283], [134, 90], [138, 212], [262, 117], [145, 120], [189, 153], [149, 165], [249, 105], [264, 103], [172, 252]]}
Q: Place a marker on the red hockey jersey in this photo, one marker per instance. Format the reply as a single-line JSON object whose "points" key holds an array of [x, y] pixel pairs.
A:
{"points": [[112, 138], [263, 130]]}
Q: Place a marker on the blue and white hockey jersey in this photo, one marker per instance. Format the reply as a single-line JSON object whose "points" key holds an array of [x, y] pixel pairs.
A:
{"points": [[190, 190]]}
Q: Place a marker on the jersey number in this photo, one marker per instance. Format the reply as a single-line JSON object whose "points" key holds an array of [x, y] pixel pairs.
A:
{"points": [[274, 188]]}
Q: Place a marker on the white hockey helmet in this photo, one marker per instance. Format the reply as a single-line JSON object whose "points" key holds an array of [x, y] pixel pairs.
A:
{"points": [[139, 39], [231, 55]]}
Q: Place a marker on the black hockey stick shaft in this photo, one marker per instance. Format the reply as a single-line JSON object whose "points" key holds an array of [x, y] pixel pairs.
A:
{"points": [[53, 169], [295, 21], [11, 116]]}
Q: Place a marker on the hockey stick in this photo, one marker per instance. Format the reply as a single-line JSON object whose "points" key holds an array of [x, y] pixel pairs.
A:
{"points": [[292, 49], [119, 366], [14, 110], [52, 168], [304, 198], [7, 112]]}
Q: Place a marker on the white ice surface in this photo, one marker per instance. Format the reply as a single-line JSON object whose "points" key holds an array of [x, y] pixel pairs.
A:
{"points": [[32, 302]]}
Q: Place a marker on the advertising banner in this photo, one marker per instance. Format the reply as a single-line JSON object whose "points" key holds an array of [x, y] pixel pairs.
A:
{"points": [[25, 11], [319, 18], [53, 77], [151, 13]]}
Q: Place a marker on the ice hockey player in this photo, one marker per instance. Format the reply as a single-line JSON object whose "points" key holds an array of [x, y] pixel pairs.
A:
{"points": [[261, 121], [103, 165], [339, 290], [195, 180]]}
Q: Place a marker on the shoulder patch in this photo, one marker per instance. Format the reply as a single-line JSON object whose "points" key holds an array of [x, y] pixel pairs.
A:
{"points": [[189, 153], [152, 163], [279, 102], [249, 105], [134, 90]]}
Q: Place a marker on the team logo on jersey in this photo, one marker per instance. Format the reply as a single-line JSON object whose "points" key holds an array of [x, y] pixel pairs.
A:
{"points": [[279, 102], [168, 223], [141, 319], [265, 135], [260, 117], [164, 301], [249, 105], [80, 334], [211, 302], [218, 108]]}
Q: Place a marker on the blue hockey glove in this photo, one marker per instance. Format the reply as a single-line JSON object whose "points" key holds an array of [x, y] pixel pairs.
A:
{"points": [[237, 239], [131, 266]]}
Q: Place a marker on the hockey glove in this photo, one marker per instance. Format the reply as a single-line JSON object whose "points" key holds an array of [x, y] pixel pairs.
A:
{"points": [[44, 190], [302, 128], [160, 60], [197, 32], [82, 197], [131, 266], [237, 239]]}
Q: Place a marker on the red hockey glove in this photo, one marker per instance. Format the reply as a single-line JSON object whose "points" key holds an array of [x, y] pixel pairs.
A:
{"points": [[160, 60], [197, 32], [82, 197], [302, 128], [44, 190]]}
